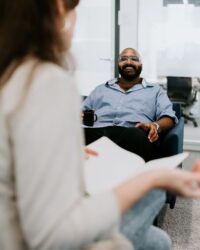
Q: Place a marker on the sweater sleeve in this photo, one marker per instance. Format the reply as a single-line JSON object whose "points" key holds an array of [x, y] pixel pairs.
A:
{"points": [[54, 211]]}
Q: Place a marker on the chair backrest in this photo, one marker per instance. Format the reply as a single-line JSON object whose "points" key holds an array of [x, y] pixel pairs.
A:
{"points": [[177, 108], [179, 89]]}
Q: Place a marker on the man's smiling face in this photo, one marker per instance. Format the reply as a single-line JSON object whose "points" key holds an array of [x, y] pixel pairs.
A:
{"points": [[129, 64]]}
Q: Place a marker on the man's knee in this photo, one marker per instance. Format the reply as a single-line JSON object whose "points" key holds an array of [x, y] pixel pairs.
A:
{"points": [[136, 141], [135, 132], [92, 134], [132, 136]]}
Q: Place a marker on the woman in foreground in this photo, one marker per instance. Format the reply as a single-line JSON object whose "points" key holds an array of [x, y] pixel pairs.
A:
{"points": [[43, 204]]}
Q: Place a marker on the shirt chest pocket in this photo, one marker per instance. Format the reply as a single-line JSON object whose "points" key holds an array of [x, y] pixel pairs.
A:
{"points": [[141, 105], [109, 100]]}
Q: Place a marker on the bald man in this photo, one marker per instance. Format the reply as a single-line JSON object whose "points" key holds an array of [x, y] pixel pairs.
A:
{"points": [[131, 112]]}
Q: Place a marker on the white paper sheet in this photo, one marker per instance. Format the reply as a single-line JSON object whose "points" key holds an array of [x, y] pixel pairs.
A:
{"points": [[114, 165]]}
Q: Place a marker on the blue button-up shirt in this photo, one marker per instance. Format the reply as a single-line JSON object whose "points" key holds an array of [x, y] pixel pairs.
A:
{"points": [[144, 102]]}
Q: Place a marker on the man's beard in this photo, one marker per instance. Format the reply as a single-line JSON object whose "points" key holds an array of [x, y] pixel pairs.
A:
{"points": [[130, 76]]}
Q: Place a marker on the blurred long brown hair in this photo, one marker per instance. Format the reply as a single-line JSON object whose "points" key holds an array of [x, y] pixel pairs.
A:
{"points": [[29, 27]]}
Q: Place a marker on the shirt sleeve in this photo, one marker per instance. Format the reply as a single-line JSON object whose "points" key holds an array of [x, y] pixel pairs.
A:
{"points": [[164, 106], [90, 101], [54, 211]]}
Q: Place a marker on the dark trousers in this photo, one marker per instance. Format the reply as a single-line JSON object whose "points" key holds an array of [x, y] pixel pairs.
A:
{"points": [[132, 139]]}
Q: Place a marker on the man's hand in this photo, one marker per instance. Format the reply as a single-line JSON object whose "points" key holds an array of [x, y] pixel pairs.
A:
{"points": [[90, 152], [151, 128]]}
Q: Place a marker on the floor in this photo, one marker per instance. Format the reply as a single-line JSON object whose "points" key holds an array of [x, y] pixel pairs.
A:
{"points": [[183, 222], [192, 137]]}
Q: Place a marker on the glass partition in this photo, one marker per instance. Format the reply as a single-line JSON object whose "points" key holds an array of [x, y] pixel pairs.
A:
{"points": [[167, 35]]}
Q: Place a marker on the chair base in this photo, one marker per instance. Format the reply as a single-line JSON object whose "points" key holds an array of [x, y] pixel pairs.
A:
{"points": [[189, 118], [171, 200]]}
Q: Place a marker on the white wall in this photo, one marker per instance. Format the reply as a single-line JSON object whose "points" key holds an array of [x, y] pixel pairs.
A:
{"points": [[93, 44], [169, 39], [128, 20]]}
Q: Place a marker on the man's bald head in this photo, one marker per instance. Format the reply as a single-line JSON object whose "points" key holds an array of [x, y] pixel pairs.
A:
{"points": [[130, 50]]}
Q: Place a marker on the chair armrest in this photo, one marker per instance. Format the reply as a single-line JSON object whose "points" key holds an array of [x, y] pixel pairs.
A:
{"points": [[172, 142], [177, 109]]}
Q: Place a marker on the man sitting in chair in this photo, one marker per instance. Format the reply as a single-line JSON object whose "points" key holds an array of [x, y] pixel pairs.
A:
{"points": [[131, 112]]}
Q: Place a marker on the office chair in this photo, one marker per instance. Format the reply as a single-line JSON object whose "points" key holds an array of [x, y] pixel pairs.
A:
{"points": [[179, 90]]}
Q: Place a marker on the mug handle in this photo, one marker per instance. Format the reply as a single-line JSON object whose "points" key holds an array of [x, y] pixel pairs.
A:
{"points": [[95, 117]]}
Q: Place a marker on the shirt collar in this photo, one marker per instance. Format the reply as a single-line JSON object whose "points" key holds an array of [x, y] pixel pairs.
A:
{"points": [[112, 82], [144, 83]]}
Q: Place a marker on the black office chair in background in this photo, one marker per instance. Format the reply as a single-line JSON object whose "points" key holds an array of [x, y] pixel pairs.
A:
{"points": [[179, 90]]}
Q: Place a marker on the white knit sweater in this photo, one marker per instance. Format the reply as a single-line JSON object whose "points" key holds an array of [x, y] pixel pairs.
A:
{"points": [[42, 200]]}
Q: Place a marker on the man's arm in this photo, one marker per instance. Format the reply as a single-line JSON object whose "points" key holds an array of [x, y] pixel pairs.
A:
{"points": [[164, 110], [165, 123], [165, 117], [90, 101], [87, 103], [154, 128]]}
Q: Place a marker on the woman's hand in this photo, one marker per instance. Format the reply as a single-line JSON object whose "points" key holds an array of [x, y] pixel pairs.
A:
{"points": [[177, 181], [180, 182], [90, 152], [196, 167]]}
